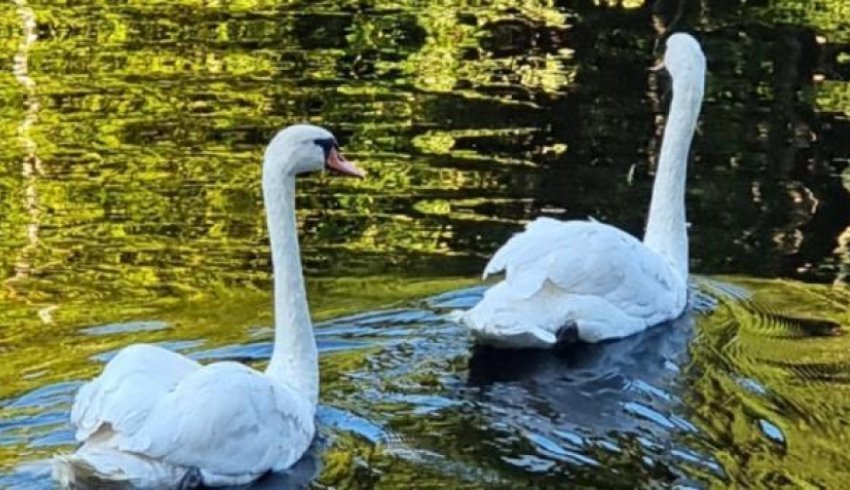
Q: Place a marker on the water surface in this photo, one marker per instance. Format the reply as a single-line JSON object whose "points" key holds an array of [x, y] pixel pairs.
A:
{"points": [[131, 211]]}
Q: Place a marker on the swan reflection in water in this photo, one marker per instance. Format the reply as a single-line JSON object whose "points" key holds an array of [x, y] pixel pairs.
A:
{"points": [[584, 401], [588, 382]]}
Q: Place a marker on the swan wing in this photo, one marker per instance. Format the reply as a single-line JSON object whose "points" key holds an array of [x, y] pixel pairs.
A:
{"points": [[227, 420], [131, 384], [587, 258]]}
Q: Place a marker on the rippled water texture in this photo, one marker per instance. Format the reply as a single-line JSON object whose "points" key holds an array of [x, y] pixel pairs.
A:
{"points": [[130, 211]]}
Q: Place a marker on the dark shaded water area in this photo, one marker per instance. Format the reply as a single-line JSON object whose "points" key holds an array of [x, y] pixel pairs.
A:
{"points": [[130, 211]]}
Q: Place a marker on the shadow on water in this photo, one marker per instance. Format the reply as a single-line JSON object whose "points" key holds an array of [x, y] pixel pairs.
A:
{"points": [[589, 382], [298, 477], [576, 403]]}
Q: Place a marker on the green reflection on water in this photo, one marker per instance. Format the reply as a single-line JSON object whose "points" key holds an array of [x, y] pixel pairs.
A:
{"points": [[783, 337], [130, 166]]}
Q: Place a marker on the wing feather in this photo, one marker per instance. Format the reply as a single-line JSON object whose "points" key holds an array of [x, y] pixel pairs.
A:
{"points": [[227, 419], [586, 258], [223, 418], [128, 388]]}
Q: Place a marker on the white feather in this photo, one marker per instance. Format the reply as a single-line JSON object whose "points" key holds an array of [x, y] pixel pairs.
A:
{"points": [[226, 419], [588, 273], [128, 388]]}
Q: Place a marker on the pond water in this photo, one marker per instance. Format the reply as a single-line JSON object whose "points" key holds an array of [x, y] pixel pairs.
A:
{"points": [[130, 211]]}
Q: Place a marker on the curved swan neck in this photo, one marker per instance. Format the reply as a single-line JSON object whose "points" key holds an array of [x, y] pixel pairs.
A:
{"points": [[294, 360], [666, 228]]}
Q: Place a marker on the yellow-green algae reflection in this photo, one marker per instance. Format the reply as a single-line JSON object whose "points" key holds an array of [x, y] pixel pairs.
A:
{"points": [[130, 211]]}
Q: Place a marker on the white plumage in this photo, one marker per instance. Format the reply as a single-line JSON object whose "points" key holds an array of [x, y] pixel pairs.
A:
{"points": [[155, 419], [592, 278], [230, 422], [588, 274]]}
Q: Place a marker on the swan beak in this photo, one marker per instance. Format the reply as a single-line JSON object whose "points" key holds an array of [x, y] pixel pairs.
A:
{"points": [[658, 66], [339, 164]]}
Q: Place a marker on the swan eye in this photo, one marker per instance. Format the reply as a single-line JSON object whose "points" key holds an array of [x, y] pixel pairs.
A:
{"points": [[326, 144]]}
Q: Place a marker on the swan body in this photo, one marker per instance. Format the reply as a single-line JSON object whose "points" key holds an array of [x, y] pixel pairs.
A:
{"points": [[153, 415], [590, 280], [156, 419], [588, 274]]}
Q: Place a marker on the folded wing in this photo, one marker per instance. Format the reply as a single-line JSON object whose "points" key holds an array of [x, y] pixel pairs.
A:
{"points": [[131, 384], [588, 258], [226, 419]]}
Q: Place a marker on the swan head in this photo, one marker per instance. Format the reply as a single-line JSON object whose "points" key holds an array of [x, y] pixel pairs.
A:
{"points": [[684, 58], [303, 148]]}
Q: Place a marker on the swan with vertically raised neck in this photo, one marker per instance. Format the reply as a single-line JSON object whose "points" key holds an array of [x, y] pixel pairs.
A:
{"points": [[589, 281], [157, 419]]}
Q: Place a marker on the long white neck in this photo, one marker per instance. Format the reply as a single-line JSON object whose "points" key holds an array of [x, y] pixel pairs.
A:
{"points": [[666, 228], [295, 358]]}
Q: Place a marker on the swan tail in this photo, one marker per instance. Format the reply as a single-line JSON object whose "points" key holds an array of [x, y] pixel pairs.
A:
{"points": [[99, 467], [487, 332], [514, 338], [495, 321]]}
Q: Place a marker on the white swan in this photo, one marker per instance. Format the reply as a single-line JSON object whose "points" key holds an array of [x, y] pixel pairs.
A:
{"points": [[156, 419], [590, 280]]}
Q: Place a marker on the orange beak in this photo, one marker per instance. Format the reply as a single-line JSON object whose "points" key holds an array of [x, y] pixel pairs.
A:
{"points": [[339, 164]]}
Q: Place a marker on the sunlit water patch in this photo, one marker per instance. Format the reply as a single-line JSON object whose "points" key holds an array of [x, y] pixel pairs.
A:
{"points": [[747, 394]]}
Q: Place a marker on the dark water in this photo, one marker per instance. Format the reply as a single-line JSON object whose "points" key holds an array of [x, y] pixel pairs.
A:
{"points": [[130, 211]]}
